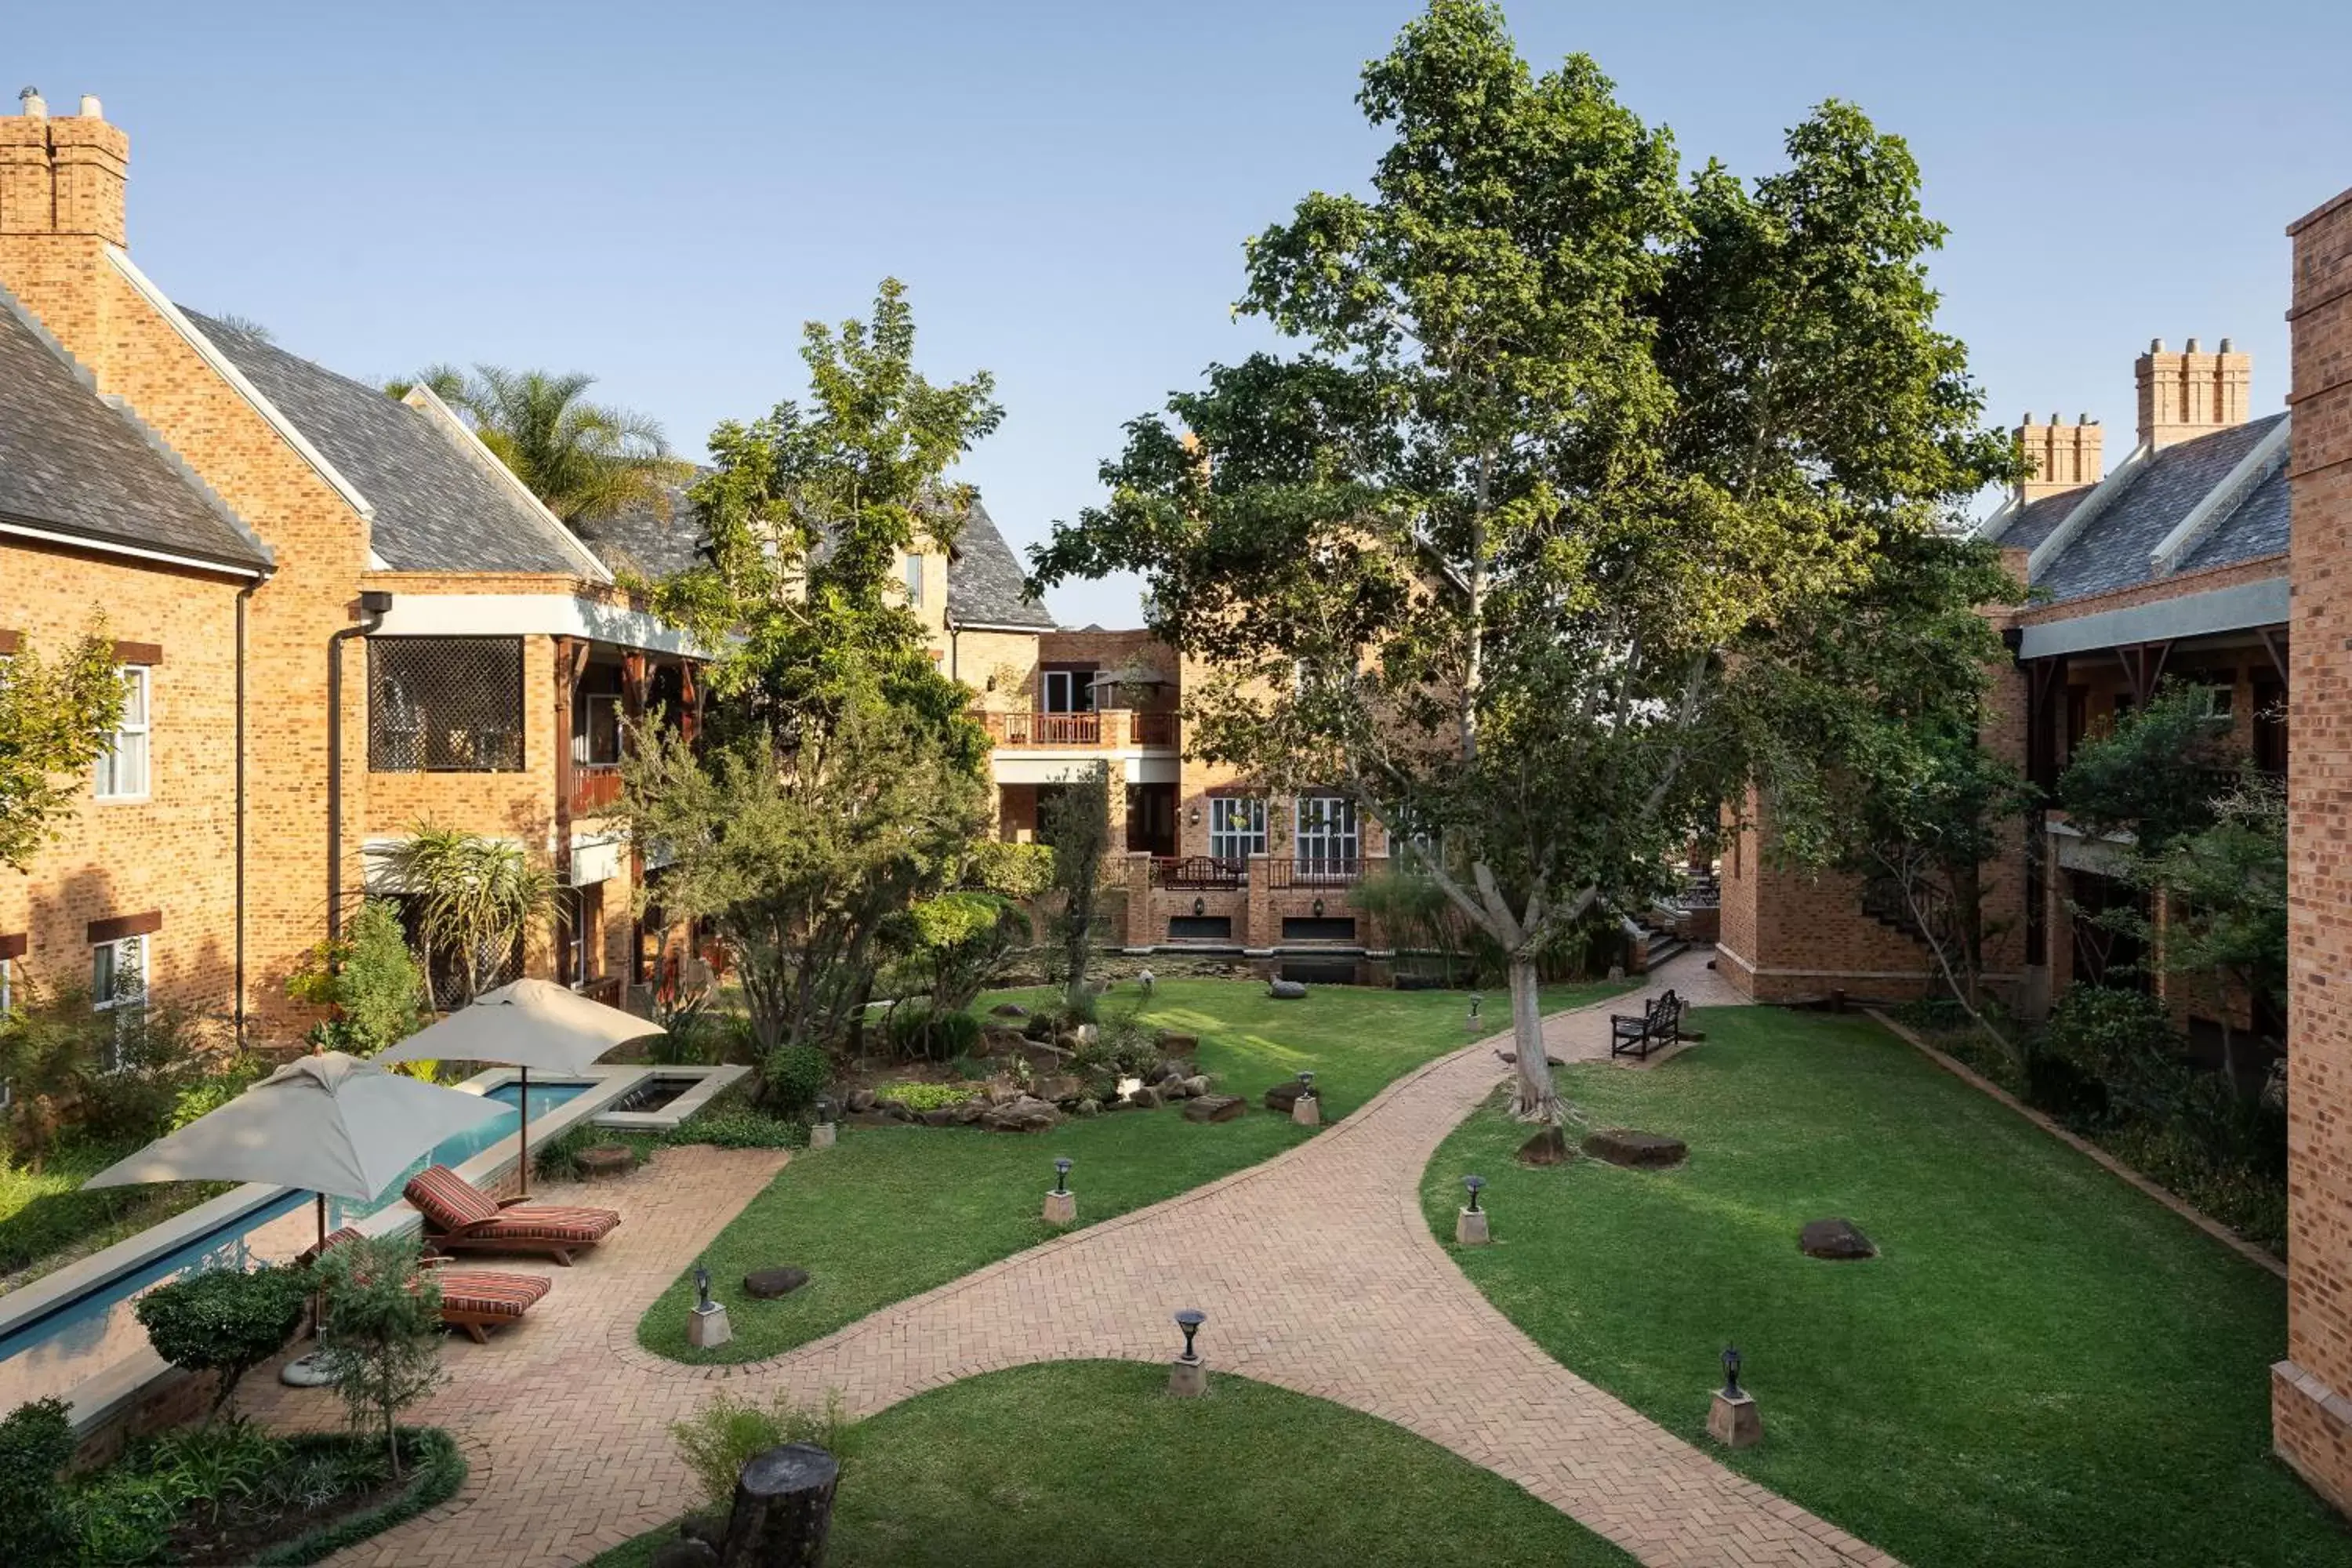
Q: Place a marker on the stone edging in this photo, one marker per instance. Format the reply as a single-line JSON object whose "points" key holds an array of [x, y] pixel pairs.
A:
{"points": [[2165, 1196]]}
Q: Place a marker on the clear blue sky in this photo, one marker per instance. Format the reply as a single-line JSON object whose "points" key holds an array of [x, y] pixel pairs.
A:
{"points": [[660, 195]]}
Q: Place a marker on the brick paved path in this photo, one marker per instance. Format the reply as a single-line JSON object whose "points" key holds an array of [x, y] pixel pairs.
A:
{"points": [[1315, 1268]]}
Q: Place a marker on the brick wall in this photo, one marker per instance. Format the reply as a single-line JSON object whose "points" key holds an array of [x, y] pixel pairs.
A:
{"points": [[174, 851], [2310, 1390]]}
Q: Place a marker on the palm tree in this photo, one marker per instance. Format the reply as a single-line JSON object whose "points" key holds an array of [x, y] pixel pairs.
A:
{"points": [[585, 460]]}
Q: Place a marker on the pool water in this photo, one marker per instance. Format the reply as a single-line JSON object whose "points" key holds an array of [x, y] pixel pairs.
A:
{"points": [[82, 1338]]}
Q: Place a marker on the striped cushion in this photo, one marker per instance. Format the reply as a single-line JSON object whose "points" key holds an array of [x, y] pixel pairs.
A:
{"points": [[549, 1223], [488, 1293], [446, 1200]]}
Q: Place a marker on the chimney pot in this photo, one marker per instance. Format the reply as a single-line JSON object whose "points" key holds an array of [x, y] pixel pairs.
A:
{"points": [[34, 108], [2193, 346], [2156, 345], [2054, 417], [2085, 419], [2228, 346], [89, 107], [2028, 417]]}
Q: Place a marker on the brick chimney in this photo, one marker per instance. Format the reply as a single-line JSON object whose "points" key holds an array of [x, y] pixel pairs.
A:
{"points": [[2059, 458], [63, 175], [2192, 393]]}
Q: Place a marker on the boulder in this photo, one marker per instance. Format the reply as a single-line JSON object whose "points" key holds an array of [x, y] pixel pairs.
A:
{"points": [[1549, 1147], [967, 1112], [1008, 1010], [1145, 1097], [1024, 1115], [940, 1116], [1088, 1107], [1511, 1059], [1835, 1240], [1216, 1107], [859, 1099], [1059, 1087], [1635, 1150], [1195, 1087], [1283, 1096], [1041, 1057], [1166, 1072], [1185, 1044], [767, 1284], [998, 1042], [1287, 990], [685, 1553]]}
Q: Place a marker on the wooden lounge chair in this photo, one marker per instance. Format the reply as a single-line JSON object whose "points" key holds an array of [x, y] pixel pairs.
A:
{"points": [[459, 1217], [474, 1299]]}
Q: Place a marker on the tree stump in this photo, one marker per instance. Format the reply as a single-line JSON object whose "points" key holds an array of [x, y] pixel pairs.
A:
{"points": [[783, 1508]]}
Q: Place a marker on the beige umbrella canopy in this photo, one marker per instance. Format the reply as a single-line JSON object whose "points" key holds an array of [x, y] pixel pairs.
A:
{"points": [[526, 1023], [330, 1123]]}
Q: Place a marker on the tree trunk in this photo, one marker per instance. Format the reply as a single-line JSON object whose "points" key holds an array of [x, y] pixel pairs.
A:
{"points": [[1538, 1100], [783, 1507]]}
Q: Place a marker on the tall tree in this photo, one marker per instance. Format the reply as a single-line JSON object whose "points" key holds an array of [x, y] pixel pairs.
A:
{"points": [[1077, 822], [585, 460], [1569, 469], [56, 720]]}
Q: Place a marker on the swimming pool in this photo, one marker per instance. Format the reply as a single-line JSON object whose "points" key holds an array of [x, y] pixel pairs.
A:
{"points": [[84, 1337]]}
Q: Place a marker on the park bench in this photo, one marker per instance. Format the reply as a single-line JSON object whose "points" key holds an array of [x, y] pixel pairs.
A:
{"points": [[1659, 1024]]}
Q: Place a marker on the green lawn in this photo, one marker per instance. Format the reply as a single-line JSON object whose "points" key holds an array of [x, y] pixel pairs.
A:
{"points": [[893, 1211], [2043, 1366], [1086, 1463], [46, 1221]]}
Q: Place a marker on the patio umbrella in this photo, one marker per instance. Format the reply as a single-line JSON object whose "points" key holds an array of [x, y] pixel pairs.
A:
{"points": [[526, 1023], [331, 1123]]}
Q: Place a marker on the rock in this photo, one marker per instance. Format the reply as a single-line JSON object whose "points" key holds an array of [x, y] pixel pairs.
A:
{"points": [[1166, 1072], [1088, 1107], [967, 1112], [1835, 1240], [1176, 1044], [1024, 1115], [1636, 1151], [1043, 1057], [860, 1100], [1283, 1096], [1008, 1010], [1059, 1087], [1195, 1087], [1549, 1147], [940, 1116], [1511, 1059], [1145, 1097], [998, 1042], [684, 1553], [1287, 990], [710, 1529], [767, 1284], [1216, 1107]]}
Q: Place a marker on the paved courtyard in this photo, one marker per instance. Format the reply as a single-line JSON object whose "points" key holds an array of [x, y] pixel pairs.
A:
{"points": [[1316, 1270]]}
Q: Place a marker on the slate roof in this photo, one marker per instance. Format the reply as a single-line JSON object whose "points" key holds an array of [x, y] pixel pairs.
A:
{"points": [[647, 538], [72, 463], [2036, 518], [2112, 551], [438, 508], [984, 580]]}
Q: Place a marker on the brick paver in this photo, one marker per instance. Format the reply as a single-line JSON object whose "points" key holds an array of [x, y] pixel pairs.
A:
{"points": [[1318, 1273]]}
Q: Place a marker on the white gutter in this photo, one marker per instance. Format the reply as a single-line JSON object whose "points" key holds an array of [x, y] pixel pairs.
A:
{"points": [[422, 398], [108, 547], [2269, 454], [221, 365], [1994, 526]]}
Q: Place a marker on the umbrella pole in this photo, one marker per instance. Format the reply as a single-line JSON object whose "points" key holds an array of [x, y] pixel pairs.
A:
{"points": [[522, 1156], [309, 1371]]}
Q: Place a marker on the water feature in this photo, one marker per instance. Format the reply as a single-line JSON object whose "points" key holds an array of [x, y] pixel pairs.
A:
{"points": [[83, 1337]]}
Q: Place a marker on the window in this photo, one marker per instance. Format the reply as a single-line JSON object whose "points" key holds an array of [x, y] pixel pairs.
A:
{"points": [[914, 571], [1236, 827], [445, 705], [117, 984], [1069, 690], [1327, 839], [122, 773], [600, 735]]}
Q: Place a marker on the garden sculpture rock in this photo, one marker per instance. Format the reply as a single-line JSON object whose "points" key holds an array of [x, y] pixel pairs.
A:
{"points": [[1287, 990], [1216, 1107], [1835, 1240]]}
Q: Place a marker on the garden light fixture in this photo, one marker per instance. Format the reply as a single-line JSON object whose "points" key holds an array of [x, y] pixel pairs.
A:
{"points": [[701, 1288], [1189, 1320], [1062, 1174], [1200, 906], [1476, 1185], [1731, 1372], [1318, 909]]}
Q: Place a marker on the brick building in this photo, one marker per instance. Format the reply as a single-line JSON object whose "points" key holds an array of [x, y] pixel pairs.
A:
{"points": [[337, 614], [2311, 1390]]}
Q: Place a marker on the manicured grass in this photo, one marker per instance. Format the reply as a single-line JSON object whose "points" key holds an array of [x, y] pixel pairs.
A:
{"points": [[893, 1211], [1085, 1463], [2043, 1366], [46, 1221]]}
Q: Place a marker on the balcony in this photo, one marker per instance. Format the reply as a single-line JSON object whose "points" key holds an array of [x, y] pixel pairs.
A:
{"points": [[1198, 873], [595, 788], [1218, 873], [1108, 729], [1314, 871]]}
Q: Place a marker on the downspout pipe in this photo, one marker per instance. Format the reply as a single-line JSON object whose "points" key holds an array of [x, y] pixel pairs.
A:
{"points": [[374, 604], [244, 604]]}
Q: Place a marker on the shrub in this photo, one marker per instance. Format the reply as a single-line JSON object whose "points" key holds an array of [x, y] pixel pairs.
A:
{"points": [[36, 1443], [915, 1033], [694, 1037], [223, 1321], [925, 1096], [558, 1159], [368, 978], [384, 1331], [207, 1095], [216, 1466], [795, 1075], [726, 1434], [739, 1126], [2122, 1038]]}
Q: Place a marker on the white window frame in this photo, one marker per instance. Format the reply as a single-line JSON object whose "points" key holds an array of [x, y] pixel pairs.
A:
{"points": [[110, 997], [1326, 833], [106, 782], [911, 573], [1067, 690], [1232, 839], [586, 755]]}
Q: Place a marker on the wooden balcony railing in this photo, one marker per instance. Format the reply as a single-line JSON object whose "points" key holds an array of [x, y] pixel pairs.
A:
{"points": [[604, 988], [1043, 729], [1209, 873], [1314, 871], [595, 788], [1155, 729]]}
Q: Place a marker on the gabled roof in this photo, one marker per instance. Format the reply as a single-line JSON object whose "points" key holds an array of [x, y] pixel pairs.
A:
{"points": [[437, 506], [74, 465], [2115, 548], [648, 538], [984, 580], [2033, 522]]}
